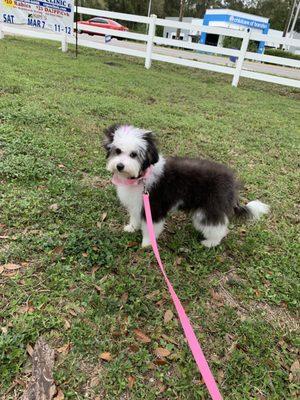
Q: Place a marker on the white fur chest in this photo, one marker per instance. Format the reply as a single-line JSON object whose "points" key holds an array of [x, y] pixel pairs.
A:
{"points": [[131, 197]]}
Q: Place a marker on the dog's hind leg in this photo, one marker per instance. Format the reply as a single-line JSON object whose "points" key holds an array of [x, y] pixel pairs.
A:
{"points": [[213, 233], [158, 228]]}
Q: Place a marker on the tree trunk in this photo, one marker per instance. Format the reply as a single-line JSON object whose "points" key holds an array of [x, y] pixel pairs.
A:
{"points": [[180, 18], [42, 386]]}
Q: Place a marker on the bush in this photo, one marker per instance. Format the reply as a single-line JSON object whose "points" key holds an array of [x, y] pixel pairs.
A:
{"points": [[236, 43], [281, 53]]}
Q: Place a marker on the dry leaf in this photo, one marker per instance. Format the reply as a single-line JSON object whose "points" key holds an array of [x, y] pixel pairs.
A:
{"points": [[58, 250], [178, 261], [132, 244], [104, 215], [94, 269], [295, 367], [161, 352], [67, 324], [1, 269], [53, 207], [85, 255], [131, 382], [12, 267], [64, 349], [160, 361], [4, 330], [72, 312], [59, 395], [134, 348], [161, 387], [295, 372], [220, 376], [25, 264], [29, 349], [124, 298], [94, 381], [141, 336], [26, 309], [168, 316], [152, 294], [215, 295], [106, 356], [98, 288]]}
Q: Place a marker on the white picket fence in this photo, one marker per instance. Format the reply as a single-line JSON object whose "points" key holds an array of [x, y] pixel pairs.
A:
{"points": [[152, 41]]}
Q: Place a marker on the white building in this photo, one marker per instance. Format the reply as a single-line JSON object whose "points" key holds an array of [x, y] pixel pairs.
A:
{"points": [[225, 18]]}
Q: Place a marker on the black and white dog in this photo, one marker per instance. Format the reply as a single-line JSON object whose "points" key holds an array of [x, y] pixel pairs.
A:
{"points": [[208, 190]]}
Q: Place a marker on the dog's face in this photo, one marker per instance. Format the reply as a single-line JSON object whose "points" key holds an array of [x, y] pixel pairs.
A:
{"points": [[130, 150]]}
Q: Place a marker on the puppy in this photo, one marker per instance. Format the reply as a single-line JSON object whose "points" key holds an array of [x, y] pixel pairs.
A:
{"points": [[206, 189]]}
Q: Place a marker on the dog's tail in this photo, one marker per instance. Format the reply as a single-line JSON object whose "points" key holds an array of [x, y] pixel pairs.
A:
{"points": [[255, 209]]}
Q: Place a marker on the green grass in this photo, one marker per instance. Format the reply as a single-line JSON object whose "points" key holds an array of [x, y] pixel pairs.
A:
{"points": [[87, 283]]}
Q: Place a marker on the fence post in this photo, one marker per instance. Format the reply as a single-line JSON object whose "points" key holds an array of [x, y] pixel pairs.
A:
{"points": [[1, 32], [64, 43], [240, 61], [151, 34]]}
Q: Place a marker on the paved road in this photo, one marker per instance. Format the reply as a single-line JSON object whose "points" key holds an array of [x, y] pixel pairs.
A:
{"points": [[287, 72]]}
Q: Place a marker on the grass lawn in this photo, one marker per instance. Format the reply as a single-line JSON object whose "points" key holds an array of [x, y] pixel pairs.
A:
{"points": [[86, 287]]}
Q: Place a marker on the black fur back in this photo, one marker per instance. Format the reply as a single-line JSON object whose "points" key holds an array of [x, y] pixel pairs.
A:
{"points": [[195, 184]]}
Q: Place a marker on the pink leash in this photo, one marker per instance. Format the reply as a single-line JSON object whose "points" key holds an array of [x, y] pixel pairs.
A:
{"points": [[185, 322]]}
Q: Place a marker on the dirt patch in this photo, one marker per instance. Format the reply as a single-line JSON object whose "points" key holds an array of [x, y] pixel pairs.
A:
{"points": [[10, 90], [112, 64], [275, 315], [94, 181]]}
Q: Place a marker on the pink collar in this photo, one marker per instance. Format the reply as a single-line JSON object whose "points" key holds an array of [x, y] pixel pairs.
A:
{"points": [[116, 180]]}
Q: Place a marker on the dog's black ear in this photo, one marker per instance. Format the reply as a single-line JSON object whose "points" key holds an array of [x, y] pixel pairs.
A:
{"points": [[151, 156], [109, 136]]}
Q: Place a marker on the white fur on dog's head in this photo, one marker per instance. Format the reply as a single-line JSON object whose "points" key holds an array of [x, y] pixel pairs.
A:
{"points": [[130, 147]]}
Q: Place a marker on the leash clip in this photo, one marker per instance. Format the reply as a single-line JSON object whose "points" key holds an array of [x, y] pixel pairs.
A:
{"points": [[145, 191]]}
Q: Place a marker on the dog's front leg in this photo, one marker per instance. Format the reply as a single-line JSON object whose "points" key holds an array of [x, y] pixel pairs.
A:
{"points": [[131, 198], [158, 228], [134, 222]]}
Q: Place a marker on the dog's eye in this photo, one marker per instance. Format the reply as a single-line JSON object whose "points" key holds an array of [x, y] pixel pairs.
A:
{"points": [[118, 151], [133, 154]]}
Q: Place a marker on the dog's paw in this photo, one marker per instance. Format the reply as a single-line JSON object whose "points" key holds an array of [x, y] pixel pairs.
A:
{"points": [[146, 243], [129, 228], [210, 243]]}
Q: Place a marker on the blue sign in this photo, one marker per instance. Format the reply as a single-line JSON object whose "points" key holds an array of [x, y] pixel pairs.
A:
{"points": [[237, 20], [250, 23]]}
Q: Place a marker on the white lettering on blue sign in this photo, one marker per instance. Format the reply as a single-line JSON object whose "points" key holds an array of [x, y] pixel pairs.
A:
{"points": [[248, 22]]}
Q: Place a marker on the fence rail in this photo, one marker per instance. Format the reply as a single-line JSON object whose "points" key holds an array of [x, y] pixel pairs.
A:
{"points": [[152, 42]]}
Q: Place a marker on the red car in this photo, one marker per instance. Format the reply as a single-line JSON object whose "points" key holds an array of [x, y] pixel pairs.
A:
{"points": [[100, 22]]}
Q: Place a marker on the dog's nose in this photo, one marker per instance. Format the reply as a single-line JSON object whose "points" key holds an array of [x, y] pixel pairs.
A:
{"points": [[120, 167]]}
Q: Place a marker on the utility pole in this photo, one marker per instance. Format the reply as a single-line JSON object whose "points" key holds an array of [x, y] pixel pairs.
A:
{"points": [[295, 19], [181, 12], [289, 19], [149, 8]]}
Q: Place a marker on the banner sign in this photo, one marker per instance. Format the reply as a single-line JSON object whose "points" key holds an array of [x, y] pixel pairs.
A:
{"points": [[248, 22], [51, 15]]}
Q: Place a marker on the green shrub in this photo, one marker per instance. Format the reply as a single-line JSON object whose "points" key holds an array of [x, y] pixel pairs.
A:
{"points": [[236, 43], [282, 53]]}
